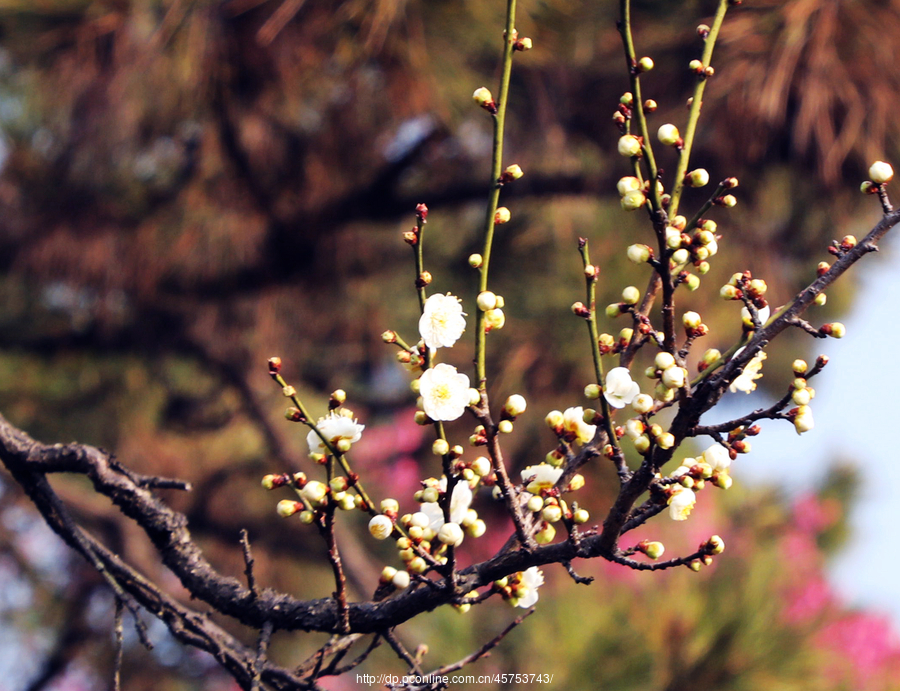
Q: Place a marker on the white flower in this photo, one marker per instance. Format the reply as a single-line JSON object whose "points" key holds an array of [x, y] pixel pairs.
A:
{"points": [[681, 501], [442, 321], [618, 388], [531, 579], [803, 421], [444, 392], [459, 506], [334, 427], [746, 381], [381, 527], [542, 476], [717, 457], [573, 423]]}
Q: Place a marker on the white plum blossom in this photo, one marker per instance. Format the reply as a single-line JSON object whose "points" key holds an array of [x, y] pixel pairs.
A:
{"points": [[334, 427], [618, 388], [717, 457], [460, 501], [681, 502], [442, 321], [542, 476], [746, 381], [531, 579], [444, 392], [574, 424]]}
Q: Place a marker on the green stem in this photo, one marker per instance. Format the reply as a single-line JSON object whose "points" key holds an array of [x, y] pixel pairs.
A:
{"points": [[509, 39], [696, 105], [591, 282], [420, 285], [638, 103], [332, 450]]}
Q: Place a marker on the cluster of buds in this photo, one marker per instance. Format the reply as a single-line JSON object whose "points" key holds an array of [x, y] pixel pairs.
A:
{"points": [[695, 247], [880, 173], [492, 305], [693, 325], [632, 192], [671, 376], [742, 286], [622, 115], [839, 249]]}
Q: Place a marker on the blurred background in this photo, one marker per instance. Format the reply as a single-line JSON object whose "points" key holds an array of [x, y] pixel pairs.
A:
{"points": [[189, 187]]}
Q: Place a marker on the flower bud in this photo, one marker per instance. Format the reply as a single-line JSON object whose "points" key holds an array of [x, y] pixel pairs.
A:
{"points": [[545, 535], [580, 516], [668, 135], [695, 66], [835, 330], [475, 260], [483, 98], [551, 514], [728, 201], [654, 550], [881, 172], [633, 200], [645, 64], [494, 319], [554, 419], [287, 507], [665, 440], [627, 184], [691, 320], [680, 256], [642, 403], [729, 292], [664, 361], [400, 580], [820, 299], [486, 300], [274, 365], [673, 378], [592, 392], [629, 145], [481, 466], [505, 426], [501, 216], [440, 447], [613, 310], [803, 419], [381, 527], [715, 545], [639, 254], [642, 443], [450, 534], [693, 282], [698, 178]]}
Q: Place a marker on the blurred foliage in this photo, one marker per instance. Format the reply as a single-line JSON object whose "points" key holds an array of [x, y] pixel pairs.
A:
{"points": [[191, 186]]}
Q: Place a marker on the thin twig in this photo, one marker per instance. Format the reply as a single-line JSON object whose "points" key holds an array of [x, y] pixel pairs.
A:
{"points": [[248, 563]]}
